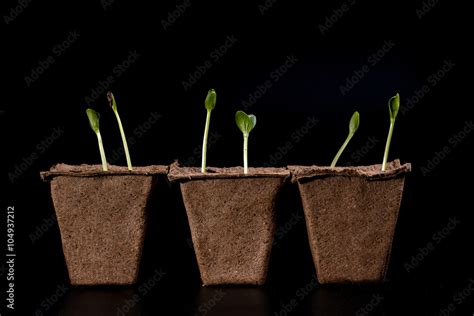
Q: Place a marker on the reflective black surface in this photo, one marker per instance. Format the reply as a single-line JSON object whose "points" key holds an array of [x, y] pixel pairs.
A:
{"points": [[322, 300], [333, 43]]}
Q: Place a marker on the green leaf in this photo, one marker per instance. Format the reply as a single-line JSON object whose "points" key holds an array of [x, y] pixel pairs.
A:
{"points": [[354, 123], [93, 119], [393, 106], [111, 99], [210, 102], [246, 123]]}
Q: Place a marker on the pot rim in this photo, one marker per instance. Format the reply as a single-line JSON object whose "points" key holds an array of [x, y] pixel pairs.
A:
{"points": [[90, 171], [370, 172], [176, 173]]}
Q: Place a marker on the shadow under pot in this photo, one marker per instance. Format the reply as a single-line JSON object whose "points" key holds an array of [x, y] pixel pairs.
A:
{"points": [[351, 215], [232, 220], [102, 219]]}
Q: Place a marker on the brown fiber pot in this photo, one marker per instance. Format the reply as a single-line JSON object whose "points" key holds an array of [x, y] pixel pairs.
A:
{"points": [[102, 219], [351, 214], [232, 220]]}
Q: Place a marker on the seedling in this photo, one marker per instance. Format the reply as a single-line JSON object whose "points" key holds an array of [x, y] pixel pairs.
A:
{"points": [[94, 123], [210, 104], [246, 124], [113, 105], [393, 106], [353, 126]]}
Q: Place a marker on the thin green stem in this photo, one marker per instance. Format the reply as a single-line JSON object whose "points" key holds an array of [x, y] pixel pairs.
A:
{"points": [[339, 153], [246, 151], [204, 142], [124, 140], [387, 146], [102, 152]]}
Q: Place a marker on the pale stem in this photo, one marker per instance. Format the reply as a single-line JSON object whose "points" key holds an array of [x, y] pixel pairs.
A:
{"points": [[102, 152], [204, 142], [387, 146], [246, 163], [124, 140], [339, 153]]}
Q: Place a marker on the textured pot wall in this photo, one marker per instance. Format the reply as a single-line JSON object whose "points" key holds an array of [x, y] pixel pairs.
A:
{"points": [[351, 216], [232, 225], [102, 224]]}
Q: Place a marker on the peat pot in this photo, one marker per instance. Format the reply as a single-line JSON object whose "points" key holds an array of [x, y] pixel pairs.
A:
{"points": [[351, 214], [232, 220], [102, 219]]}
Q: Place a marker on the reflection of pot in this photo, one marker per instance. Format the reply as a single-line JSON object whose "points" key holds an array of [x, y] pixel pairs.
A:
{"points": [[351, 214], [101, 217], [232, 220], [348, 300], [93, 301], [232, 301]]}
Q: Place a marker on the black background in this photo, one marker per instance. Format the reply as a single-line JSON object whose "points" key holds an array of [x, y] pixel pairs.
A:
{"points": [[310, 88]]}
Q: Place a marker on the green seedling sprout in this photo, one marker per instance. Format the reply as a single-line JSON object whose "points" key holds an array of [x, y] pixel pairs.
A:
{"points": [[94, 123], [210, 104], [353, 126], [246, 124], [113, 105], [393, 106]]}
